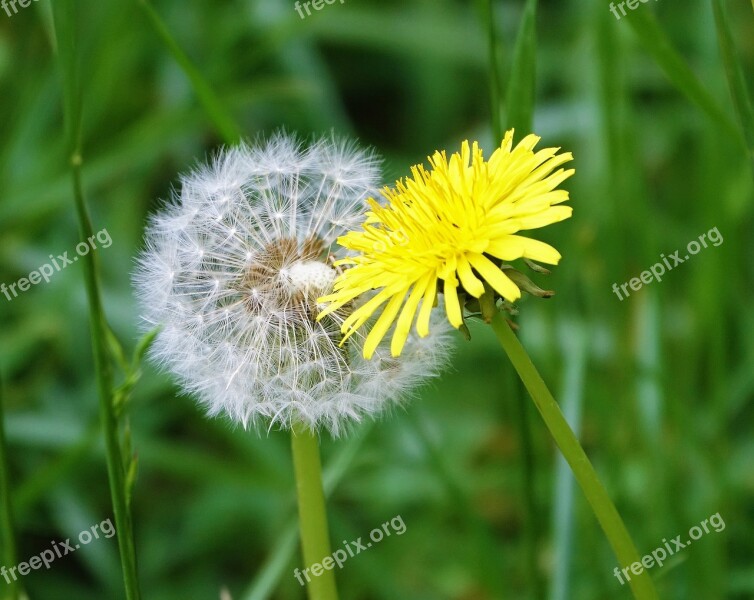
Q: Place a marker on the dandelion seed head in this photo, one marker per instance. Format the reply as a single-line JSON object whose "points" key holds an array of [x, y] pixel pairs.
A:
{"points": [[232, 270]]}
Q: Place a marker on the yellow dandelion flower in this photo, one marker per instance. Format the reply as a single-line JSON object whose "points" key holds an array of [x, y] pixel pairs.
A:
{"points": [[455, 222]]}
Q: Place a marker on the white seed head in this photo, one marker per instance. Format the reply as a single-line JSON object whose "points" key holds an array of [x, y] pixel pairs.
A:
{"points": [[232, 270]]}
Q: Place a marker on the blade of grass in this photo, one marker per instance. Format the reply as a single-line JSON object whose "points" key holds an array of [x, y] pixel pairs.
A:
{"points": [[523, 78], [216, 110], [65, 20], [651, 406], [485, 565], [651, 35], [7, 535], [734, 72], [575, 353], [273, 569], [531, 511], [496, 85]]}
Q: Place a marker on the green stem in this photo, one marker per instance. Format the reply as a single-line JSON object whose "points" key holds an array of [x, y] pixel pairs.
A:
{"points": [[271, 572], [66, 20], [8, 545], [105, 387], [315, 539], [586, 476]]}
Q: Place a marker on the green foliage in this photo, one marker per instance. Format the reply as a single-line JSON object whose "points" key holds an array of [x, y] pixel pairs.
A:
{"points": [[734, 71], [663, 379]]}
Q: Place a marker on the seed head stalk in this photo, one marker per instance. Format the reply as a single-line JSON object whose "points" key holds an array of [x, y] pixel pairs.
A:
{"points": [[315, 539]]}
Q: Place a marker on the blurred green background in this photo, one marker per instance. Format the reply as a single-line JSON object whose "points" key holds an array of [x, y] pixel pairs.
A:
{"points": [[659, 384]]}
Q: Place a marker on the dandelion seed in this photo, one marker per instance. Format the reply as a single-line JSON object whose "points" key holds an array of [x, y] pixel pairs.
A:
{"points": [[236, 290]]}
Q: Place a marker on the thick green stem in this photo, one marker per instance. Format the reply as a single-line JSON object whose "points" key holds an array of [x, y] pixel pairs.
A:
{"points": [[586, 476], [315, 539]]}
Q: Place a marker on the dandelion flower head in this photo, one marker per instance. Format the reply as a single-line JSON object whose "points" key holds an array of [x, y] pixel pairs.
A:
{"points": [[447, 230]]}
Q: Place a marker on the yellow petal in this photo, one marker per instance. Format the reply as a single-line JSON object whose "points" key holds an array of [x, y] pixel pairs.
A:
{"points": [[546, 217], [452, 306], [335, 301], [362, 314], [448, 270], [428, 303], [495, 277], [382, 325], [403, 326], [511, 247], [470, 281]]}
